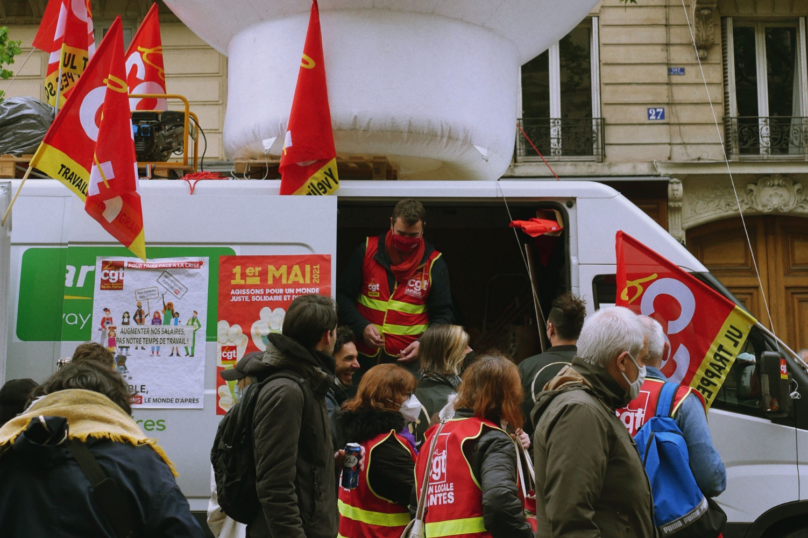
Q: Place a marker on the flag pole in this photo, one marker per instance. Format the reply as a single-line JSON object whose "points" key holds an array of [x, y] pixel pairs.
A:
{"points": [[24, 178], [59, 84], [791, 351]]}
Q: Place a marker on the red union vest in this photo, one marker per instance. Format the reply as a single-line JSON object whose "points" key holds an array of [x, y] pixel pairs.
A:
{"points": [[401, 316], [455, 499], [363, 513], [643, 407]]}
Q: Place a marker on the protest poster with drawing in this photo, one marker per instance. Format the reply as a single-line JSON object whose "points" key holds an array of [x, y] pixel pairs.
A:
{"points": [[152, 317]]}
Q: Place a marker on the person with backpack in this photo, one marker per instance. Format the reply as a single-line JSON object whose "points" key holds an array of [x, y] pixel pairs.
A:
{"points": [[220, 524], [75, 463], [678, 412], [590, 480], [293, 450]]}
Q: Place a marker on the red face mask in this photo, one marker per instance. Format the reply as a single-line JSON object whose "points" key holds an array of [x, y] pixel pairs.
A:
{"points": [[406, 245]]}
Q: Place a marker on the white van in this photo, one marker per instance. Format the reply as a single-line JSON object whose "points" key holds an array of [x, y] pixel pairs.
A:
{"points": [[53, 243]]}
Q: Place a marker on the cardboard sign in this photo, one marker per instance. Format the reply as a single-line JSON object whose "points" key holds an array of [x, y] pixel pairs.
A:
{"points": [[147, 294]]}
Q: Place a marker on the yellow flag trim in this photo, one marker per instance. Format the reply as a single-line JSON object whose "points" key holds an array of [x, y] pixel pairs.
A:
{"points": [[58, 165], [138, 246], [324, 181], [722, 353]]}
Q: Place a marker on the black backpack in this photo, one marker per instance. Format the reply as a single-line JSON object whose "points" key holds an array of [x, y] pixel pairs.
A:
{"points": [[232, 455]]}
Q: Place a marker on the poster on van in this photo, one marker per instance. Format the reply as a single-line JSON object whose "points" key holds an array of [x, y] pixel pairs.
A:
{"points": [[254, 293], [152, 316]]}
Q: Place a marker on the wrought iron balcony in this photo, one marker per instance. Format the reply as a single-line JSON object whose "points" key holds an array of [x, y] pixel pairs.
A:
{"points": [[764, 138], [561, 139]]}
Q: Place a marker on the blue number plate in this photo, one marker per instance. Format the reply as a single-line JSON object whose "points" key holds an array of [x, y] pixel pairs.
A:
{"points": [[656, 114]]}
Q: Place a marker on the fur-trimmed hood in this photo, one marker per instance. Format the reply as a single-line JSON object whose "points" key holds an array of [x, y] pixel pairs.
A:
{"points": [[366, 423]]}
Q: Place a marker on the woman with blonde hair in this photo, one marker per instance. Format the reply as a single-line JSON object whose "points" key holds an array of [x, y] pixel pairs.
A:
{"points": [[443, 348], [375, 419], [477, 457]]}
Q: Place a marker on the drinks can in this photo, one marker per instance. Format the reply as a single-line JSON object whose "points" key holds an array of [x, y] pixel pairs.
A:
{"points": [[350, 472]]}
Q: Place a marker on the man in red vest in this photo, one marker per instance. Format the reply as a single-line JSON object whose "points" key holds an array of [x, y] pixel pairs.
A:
{"points": [[395, 286], [687, 410]]}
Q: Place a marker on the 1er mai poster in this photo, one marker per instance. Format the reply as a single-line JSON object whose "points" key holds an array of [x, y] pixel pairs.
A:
{"points": [[254, 294], [152, 317]]}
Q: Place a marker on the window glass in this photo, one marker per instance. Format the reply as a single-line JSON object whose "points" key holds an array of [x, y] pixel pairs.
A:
{"points": [[576, 73], [536, 87], [604, 290], [745, 71], [781, 68], [741, 390]]}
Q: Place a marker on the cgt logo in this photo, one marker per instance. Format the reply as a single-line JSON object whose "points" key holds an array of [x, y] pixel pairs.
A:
{"points": [[633, 416], [111, 276], [373, 288], [228, 355], [417, 287]]}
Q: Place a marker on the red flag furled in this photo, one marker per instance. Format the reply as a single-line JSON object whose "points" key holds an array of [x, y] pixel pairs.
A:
{"points": [[68, 152], [706, 330], [536, 227], [66, 33], [144, 64], [112, 197], [309, 161]]}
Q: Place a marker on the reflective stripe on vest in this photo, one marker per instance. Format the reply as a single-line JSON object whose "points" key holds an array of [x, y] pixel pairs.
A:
{"points": [[364, 513], [399, 315], [455, 527], [454, 498]]}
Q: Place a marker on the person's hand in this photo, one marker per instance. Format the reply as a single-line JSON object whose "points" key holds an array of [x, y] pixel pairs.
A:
{"points": [[523, 438], [339, 458], [410, 352], [372, 337]]}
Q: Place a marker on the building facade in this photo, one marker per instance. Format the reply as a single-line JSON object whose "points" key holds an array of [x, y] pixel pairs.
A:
{"points": [[649, 98]]}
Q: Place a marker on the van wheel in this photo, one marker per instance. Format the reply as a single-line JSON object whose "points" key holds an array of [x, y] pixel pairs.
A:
{"points": [[791, 528]]}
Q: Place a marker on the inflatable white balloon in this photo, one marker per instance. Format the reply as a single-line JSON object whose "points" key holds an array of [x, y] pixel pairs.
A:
{"points": [[430, 84]]}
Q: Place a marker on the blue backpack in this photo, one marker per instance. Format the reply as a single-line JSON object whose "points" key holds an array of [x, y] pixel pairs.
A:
{"points": [[680, 508]]}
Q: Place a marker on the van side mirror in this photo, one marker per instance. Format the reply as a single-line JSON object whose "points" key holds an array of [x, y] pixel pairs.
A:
{"points": [[774, 385]]}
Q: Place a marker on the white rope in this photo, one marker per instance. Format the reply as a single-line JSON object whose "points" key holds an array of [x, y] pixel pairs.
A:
{"points": [[17, 71], [729, 171]]}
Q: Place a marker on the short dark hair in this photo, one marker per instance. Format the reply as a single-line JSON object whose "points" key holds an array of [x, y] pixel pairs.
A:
{"points": [[308, 317], [567, 315], [410, 211], [88, 375], [344, 335], [93, 351]]}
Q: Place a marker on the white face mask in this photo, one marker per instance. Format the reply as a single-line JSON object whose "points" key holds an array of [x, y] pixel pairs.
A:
{"points": [[411, 409], [634, 388]]}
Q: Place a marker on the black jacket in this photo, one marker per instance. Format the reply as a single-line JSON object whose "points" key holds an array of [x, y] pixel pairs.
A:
{"points": [[333, 400], [391, 471], [493, 463], [433, 392], [349, 286], [44, 492], [294, 454], [549, 364]]}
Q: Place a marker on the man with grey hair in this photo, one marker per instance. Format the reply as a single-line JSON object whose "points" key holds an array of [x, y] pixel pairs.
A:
{"points": [[688, 412], [590, 480]]}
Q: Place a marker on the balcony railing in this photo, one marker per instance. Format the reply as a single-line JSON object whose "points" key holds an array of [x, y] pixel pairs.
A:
{"points": [[561, 139], [764, 138]]}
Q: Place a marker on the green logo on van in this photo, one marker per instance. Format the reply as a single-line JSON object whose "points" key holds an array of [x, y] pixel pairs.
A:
{"points": [[56, 289]]}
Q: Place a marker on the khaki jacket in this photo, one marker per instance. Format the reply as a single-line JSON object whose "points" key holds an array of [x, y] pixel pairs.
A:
{"points": [[590, 481]]}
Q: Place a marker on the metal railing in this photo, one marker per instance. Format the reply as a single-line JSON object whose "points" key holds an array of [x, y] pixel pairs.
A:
{"points": [[561, 139], [763, 138]]}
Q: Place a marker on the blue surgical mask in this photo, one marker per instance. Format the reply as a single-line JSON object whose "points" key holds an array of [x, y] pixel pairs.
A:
{"points": [[238, 392]]}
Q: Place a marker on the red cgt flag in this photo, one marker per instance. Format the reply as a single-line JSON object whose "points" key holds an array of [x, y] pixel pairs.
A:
{"points": [[66, 33], [69, 151], [309, 161], [705, 329], [112, 197], [144, 64]]}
